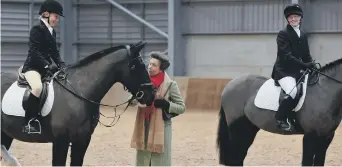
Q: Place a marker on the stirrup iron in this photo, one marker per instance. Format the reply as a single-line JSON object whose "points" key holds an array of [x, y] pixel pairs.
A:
{"points": [[290, 125], [29, 125]]}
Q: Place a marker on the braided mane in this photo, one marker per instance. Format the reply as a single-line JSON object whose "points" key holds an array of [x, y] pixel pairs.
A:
{"points": [[96, 56], [331, 65]]}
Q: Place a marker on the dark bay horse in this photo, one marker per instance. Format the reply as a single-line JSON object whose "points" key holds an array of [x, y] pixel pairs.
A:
{"points": [[75, 111], [317, 119]]}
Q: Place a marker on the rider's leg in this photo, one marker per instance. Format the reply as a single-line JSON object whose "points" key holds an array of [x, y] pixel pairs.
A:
{"points": [[34, 80], [288, 84]]}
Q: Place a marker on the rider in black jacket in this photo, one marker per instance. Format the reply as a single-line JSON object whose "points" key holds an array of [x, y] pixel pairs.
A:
{"points": [[293, 56], [42, 48]]}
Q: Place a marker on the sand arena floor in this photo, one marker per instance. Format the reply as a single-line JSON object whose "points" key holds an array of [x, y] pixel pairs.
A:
{"points": [[194, 135]]}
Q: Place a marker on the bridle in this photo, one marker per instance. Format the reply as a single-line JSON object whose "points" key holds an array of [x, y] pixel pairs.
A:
{"points": [[133, 70], [138, 95]]}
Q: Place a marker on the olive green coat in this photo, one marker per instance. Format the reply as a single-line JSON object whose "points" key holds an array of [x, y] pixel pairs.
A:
{"points": [[177, 105]]}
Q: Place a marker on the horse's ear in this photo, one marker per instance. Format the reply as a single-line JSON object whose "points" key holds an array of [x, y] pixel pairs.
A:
{"points": [[139, 46], [139, 43], [135, 45]]}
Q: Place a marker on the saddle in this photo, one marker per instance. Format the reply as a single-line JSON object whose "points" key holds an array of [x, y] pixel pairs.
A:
{"points": [[299, 94], [22, 82]]}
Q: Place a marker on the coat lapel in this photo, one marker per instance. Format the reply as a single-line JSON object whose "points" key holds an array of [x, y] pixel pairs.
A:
{"points": [[47, 32], [301, 34], [54, 35], [292, 32]]}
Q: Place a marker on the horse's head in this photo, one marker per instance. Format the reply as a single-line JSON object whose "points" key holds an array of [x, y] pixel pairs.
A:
{"points": [[136, 77]]}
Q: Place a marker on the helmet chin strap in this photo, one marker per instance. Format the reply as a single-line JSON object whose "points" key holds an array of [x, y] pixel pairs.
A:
{"points": [[48, 18]]}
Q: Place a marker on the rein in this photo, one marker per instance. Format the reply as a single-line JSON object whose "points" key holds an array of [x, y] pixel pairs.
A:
{"points": [[315, 69], [93, 102], [336, 80]]}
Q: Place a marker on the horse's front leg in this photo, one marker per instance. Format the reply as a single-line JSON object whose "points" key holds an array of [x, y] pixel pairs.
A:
{"points": [[308, 149], [322, 145], [78, 150], [315, 148], [60, 150]]}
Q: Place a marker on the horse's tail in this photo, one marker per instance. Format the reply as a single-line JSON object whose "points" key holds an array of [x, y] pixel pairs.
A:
{"points": [[223, 138]]}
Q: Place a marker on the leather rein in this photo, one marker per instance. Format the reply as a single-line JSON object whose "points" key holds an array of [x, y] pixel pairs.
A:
{"points": [[317, 70], [74, 92]]}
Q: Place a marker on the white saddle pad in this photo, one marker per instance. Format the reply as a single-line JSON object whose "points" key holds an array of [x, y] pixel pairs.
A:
{"points": [[268, 96], [13, 99]]}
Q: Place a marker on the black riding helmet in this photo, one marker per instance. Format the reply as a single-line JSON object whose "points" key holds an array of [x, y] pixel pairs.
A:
{"points": [[51, 6], [293, 9]]}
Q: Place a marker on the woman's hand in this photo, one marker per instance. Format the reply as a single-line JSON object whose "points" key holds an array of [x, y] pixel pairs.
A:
{"points": [[161, 103]]}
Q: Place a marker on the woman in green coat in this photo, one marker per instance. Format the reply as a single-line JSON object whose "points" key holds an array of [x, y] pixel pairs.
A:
{"points": [[152, 132]]}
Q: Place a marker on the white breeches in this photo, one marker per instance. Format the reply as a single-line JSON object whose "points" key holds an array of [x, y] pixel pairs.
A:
{"points": [[34, 80], [288, 84]]}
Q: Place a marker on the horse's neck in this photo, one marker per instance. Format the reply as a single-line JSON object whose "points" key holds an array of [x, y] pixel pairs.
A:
{"points": [[335, 73], [94, 80], [331, 87]]}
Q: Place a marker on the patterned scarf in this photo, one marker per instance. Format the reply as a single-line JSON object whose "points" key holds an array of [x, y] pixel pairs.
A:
{"points": [[155, 138]]}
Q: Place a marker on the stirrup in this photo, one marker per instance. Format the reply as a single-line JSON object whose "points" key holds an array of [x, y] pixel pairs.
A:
{"points": [[290, 125], [29, 125]]}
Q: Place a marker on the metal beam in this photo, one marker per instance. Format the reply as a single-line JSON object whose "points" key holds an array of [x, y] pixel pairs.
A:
{"points": [[154, 28], [171, 41], [175, 50], [67, 29], [31, 15]]}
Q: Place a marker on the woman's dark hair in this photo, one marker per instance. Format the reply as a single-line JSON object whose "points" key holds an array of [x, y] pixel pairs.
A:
{"points": [[164, 61]]}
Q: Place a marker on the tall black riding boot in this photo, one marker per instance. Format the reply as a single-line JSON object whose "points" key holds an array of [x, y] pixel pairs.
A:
{"points": [[285, 107], [31, 115]]}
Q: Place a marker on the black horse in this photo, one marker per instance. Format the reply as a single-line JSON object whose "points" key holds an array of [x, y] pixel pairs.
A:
{"points": [[74, 108]]}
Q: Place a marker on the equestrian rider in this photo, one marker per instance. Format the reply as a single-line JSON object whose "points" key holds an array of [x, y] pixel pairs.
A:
{"points": [[42, 48], [293, 56]]}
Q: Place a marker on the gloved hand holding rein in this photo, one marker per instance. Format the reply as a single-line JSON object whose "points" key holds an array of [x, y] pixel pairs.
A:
{"points": [[162, 103], [303, 64], [53, 68], [308, 64]]}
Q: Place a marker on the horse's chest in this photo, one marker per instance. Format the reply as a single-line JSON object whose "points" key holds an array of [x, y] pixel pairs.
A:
{"points": [[320, 121]]}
